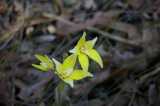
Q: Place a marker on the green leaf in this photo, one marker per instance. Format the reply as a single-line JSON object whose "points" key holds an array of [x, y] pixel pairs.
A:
{"points": [[60, 94], [94, 55], [79, 74], [61, 86], [69, 62], [90, 44], [84, 62]]}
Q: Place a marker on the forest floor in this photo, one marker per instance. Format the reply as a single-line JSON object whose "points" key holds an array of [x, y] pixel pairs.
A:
{"points": [[128, 34]]}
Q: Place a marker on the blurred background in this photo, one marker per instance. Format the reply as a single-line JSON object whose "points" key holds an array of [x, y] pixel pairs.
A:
{"points": [[128, 34]]}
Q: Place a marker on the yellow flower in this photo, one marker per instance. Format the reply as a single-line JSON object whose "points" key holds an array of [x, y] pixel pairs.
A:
{"points": [[66, 70], [46, 63], [84, 49]]}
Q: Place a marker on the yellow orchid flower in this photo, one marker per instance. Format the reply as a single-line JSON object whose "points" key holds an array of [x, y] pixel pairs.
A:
{"points": [[66, 70], [84, 49], [46, 63]]}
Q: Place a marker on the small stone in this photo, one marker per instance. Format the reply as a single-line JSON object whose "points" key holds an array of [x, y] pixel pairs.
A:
{"points": [[51, 29], [29, 30]]}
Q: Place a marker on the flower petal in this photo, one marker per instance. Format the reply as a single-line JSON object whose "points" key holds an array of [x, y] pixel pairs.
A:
{"points": [[72, 50], [94, 55], [49, 61], [57, 63], [45, 59], [70, 82], [40, 67], [84, 62], [82, 40], [69, 62], [42, 58], [79, 74], [90, 44]]}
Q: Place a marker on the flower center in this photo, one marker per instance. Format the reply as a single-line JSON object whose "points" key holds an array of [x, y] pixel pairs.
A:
{"points": [[83, 49], [66, 74], [44, 64]]}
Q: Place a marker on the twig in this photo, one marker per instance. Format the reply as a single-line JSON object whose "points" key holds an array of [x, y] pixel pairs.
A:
{"points": [[98, 78], [113, 37], [27, 92], [146, 76], [105, 34], [59, 18], [65, 47], [5, 44], [13, 87], [116, 98], [132, 99]]}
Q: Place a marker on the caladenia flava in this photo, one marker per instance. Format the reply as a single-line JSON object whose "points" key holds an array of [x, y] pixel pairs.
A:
{"points": [[68, 73], [46, 63], [84, 50], [66, 70]]}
